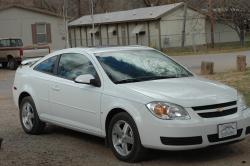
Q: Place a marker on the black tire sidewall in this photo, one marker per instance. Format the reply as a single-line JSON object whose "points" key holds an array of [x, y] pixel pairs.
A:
{"points": [[38, 124], [12, 64], [4, 65], [137, 148]]}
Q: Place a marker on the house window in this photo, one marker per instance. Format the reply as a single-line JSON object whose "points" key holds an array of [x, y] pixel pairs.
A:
{"points": [[41, 33]]}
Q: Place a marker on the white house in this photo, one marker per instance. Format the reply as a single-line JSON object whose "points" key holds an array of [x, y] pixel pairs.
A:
{"points": [[160, 27], [33, 26]]}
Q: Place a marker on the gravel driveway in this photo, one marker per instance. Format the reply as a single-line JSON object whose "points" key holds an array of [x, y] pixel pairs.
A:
{"points": [[59, 146]]}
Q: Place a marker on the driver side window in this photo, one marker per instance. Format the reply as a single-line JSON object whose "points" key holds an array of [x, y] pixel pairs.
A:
{"points": [[71, 65]]}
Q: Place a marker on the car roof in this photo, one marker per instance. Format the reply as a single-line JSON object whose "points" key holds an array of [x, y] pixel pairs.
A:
{"points": [[10, 38], [93, 50]]}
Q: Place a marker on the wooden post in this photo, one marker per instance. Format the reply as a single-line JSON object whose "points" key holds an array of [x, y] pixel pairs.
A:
{"points": [[207, 68], [241, 63], [1, 140]]}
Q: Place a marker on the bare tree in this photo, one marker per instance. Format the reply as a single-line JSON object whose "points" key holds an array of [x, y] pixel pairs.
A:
{"points": [[235, 14]]}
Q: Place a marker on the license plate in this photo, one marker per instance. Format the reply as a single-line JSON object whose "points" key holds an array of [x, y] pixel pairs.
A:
{"points": [[227, 130]]}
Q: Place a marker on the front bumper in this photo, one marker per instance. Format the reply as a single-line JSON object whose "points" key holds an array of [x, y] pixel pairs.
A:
{"points": [[191, 134]]}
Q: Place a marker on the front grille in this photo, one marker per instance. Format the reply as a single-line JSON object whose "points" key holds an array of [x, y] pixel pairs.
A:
{"points": [[218, 114], [208, 107], [216, 110], [180, 141], [215, 137]]}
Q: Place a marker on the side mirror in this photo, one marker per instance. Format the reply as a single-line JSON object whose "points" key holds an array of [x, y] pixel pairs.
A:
{"points": [[88, 79]]}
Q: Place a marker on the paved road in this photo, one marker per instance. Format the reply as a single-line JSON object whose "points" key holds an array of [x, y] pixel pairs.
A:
{"points": [[222, 62], [59, 146]]}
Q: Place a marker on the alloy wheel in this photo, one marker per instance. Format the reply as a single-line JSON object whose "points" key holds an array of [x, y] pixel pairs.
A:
{"points": [[28, 116], [123, 138]]}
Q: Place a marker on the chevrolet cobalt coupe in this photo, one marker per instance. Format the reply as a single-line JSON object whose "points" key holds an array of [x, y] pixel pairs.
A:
{"points": [[134, 97]]}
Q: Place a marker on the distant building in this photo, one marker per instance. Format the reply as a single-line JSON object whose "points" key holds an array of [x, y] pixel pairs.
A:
{"points": [[34, 26], [160, 27]]}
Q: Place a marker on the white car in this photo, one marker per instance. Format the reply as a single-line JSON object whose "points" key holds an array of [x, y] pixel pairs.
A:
{"points": [[135, 97]]}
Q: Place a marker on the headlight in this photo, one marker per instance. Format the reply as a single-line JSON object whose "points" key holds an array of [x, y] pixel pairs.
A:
{"points": [[241, 102], [168, 111]]}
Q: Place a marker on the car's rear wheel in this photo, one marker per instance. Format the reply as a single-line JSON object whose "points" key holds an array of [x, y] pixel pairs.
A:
{"points": [[4, 64], [29, 118], [12, 64], [124, 139]]}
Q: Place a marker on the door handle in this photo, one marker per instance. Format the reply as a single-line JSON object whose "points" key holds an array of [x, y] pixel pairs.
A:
{"points": [[55, 88]]}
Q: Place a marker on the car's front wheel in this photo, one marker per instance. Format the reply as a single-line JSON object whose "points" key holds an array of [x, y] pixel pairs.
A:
{"points": [[124, 139], [29, 118]]}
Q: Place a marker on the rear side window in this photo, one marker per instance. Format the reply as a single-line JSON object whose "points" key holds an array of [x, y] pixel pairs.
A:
{"points": [[72, 65], [16, 43], [5, 43], [47, 66]]}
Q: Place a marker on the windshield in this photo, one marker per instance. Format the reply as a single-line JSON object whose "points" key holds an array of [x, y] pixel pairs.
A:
{"points": [[139, 65]]}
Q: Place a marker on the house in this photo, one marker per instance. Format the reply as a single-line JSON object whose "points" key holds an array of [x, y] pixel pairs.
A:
{"points": [[34, 26], [159, 26]]}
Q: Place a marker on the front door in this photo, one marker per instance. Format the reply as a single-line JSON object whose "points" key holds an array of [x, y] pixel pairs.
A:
{"points": [[76, 105]]}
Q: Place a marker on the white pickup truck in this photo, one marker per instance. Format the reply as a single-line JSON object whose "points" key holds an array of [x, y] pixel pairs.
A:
{"points": [[11, 52]]}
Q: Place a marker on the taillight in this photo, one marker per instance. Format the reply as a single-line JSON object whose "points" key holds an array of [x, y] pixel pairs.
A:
{"points": [[21, 52]]}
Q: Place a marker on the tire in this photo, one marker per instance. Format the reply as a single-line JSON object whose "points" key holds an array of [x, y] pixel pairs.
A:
{"points": [[29, 118], [12, 64], [4, 65], [134, 152]]}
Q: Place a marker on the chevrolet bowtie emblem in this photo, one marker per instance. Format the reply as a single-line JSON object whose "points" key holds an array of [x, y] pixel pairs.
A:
{"points": [[220, 109]]}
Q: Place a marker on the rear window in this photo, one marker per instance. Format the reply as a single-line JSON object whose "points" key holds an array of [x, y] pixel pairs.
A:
{"points": [[11, 43], [47, 66]]}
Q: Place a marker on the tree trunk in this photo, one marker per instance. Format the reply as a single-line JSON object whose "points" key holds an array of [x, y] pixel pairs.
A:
{"points": [[242, 38], [241, 63]]}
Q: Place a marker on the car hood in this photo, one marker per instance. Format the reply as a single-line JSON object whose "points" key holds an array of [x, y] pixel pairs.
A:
{"points": [[187, 92]]}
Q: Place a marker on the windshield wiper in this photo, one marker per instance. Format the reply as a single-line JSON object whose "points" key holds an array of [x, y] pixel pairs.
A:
{"points": [[139, 79], [128, 80]]}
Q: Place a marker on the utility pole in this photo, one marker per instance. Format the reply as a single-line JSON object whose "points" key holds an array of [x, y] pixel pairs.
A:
{"points": [[65, 17], [92, 18], [184, 25], [211, 18]]}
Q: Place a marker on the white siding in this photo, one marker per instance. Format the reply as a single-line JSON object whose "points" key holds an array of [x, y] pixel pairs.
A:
{"points": [[78, 37], [72, 37], [154, 34], [16, 22], [104, 35], [172, 26]]}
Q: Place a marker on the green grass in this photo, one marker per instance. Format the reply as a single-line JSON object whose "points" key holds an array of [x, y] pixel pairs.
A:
{"points": [[238, 80], [219, 48]]}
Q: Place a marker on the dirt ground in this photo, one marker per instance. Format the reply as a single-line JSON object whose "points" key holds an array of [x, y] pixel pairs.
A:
{"points": [[59, 146]]}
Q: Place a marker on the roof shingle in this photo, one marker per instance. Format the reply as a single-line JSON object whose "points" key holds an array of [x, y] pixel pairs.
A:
{"points": [[147, 13]]}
